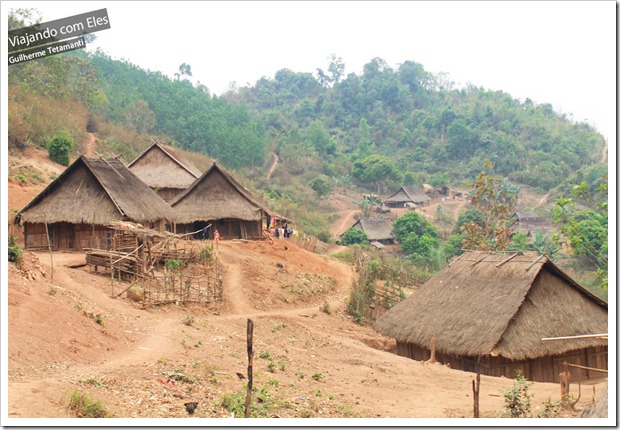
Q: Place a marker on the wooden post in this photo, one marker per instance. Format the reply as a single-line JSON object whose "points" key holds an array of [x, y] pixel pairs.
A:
{"points": [[432, 359], [248, 396], [565, 387], [476, 388], [49, 247]]}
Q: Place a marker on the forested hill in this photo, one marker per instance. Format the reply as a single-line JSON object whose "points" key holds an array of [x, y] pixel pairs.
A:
{"points": [[384, 127], [333, 124]]}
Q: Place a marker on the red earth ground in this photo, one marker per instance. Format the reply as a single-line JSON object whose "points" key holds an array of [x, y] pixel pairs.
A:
{"points": [[68, 333]]}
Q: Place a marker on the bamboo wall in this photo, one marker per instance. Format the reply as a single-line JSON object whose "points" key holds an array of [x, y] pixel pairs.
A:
{"points": [[543, 369], [228, 229], [65, 236]]}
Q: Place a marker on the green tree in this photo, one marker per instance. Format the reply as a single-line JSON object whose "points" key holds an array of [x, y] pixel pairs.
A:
{"points": [[417, 236], [319, 138], [376, 169], [353, 236], [586, 230], [59, 147], [321, 186]]}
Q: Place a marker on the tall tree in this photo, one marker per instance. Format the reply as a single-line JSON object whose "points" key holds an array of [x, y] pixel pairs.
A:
{"points": [[496, 200]]}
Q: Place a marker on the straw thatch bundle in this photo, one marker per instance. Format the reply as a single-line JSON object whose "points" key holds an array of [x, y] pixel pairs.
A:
{"points": [[161, 166], [485, 305], [96, 191], [216, 195]]}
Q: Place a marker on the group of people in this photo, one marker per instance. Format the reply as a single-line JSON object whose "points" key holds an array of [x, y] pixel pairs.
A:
{"points": [[280, 231]]}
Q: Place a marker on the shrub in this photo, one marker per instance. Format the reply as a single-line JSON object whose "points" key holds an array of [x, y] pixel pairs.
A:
{"points": [[59, 147], [15, 252], [85, 407], [517, 399], [353, 236]]}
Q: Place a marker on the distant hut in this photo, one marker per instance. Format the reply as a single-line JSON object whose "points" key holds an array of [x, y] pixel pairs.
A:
{"points": [[377, 229], [499, 308], [217, 199], [76, 207], [162, 168], [407, 195], [529, 223]]}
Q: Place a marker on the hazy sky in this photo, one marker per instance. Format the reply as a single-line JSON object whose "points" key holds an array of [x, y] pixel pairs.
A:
{"points": [[563, 53]]}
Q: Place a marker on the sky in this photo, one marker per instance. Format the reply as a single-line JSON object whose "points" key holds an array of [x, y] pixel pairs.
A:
{"points": [[563, 53]]}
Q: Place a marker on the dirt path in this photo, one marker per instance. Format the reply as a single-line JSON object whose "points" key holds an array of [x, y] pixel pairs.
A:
{"points": [[605, 150], [276, 159], [88, 145], [344, 223], [319, 365]]}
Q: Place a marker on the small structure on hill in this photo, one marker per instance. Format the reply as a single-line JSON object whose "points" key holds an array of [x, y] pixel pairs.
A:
{"points": [[377, 229], [497, 308], [162, 168], [217, 200], [74, 210], [406, 195], [529, 223]]}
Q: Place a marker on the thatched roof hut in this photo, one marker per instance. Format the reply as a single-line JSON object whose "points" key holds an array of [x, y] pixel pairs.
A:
{"points": [[500, 307], [90, 192], [217, 198], [407, 194], [162, 168], [377, 229], [529, 223]]}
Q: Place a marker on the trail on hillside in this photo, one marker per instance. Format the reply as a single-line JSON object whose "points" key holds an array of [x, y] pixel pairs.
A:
{"points": [[276, 159], [345, 222], [89, 145]]}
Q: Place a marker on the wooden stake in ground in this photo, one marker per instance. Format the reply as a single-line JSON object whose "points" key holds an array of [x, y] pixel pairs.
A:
{"points": [[476, 388], [432, 359], [49, 247], [564, 388], [248, 396]]}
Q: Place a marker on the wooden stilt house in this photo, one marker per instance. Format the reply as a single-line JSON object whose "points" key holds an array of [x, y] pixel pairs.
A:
{"points": [[496, 309], [162, 168], [75, 209], [218, 200]]}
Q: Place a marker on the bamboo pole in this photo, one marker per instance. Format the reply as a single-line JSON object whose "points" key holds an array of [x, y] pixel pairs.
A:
{"points": [[248, 396], [476, 388], [49, 247]]}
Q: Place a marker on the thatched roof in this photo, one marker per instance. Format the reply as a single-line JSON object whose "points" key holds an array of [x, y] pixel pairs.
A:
{"points": [[530, 222], [162, 166], [375, 228], [96, 191], [408, 194], [216, 195], [479, 306]]}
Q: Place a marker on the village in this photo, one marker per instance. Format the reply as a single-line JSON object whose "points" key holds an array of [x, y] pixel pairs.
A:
{"points": [[138, 281]]}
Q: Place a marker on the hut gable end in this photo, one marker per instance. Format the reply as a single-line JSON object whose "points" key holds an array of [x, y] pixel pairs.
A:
{"points": [[160, 166], [77, 197], [552, 309], [215, 196], [484, 303], [96, 191]]}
